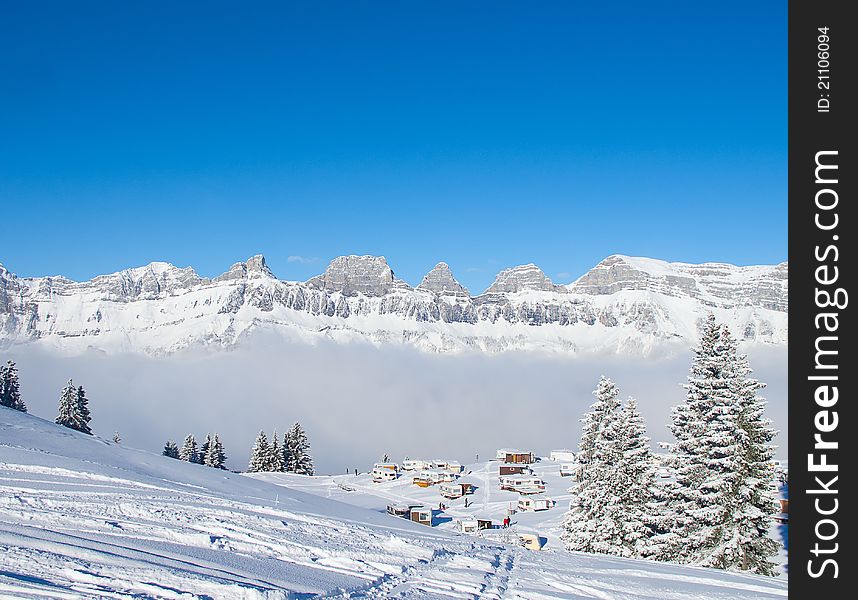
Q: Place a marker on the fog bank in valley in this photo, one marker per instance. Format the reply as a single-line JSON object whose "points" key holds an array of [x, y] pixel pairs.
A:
{"points": [[358, 402]]}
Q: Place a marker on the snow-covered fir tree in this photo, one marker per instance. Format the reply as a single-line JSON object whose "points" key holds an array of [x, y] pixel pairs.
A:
{"points": [[204, 448], [585, 525], [214, 456], [755, 547], [300, 460], [286, 456], [595, 421], [189, 452], [171, 450], [260, 455], [722, 500], [10, 392], [116, 438], [73, 409], [276, 460], [628, 523]]}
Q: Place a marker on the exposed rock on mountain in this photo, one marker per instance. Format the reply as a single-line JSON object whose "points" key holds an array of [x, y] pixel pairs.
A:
{"points": [[353, 275], [440, 281], [524, 277]]}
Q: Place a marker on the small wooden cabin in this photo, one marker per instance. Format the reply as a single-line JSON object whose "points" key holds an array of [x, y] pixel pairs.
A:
{"points": [[567, 470], [421, 514], [514, 469], [512, 455]]}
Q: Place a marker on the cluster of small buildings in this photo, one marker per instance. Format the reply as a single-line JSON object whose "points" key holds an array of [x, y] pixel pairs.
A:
{"points": [[515, 474]]}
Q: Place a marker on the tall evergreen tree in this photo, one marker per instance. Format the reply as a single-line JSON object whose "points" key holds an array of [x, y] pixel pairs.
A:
{"points": [[300, 460], [722, 500], [260, 455], [73, 410], [215, 456], [189, 452], [10, 392], [631, 484], [586, 526], [171, 450]]}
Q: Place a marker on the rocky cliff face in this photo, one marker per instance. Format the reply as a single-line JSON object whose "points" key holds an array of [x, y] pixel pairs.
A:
{"points": [[522, 278], [440, 281], [624, 304]]}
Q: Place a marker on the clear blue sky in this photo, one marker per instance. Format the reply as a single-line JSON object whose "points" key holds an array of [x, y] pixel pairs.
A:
{"points": [[485, 134]]}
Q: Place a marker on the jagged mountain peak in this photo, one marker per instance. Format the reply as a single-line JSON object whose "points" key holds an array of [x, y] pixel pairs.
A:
{"points": [[255, 266], [523, 278], [353, 274], [440, 281]]}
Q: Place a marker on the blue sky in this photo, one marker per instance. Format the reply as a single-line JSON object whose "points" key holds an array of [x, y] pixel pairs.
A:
{"points": [[484, 134]]}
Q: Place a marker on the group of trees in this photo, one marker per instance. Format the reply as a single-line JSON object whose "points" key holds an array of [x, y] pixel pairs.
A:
{"points": [[616, 476], [74, 408], [292, 455], [717, 508], [10, 392], [211, 453]]}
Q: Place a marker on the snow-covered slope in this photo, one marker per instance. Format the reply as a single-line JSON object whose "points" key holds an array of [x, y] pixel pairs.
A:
{"points": [[84, 518], [623, 305]]}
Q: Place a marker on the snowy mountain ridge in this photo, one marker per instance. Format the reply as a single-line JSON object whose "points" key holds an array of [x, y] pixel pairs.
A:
{"points": [[623, 305]]}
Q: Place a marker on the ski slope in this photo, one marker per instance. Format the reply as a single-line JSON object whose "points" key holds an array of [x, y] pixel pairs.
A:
{"points": [[81, 517]]}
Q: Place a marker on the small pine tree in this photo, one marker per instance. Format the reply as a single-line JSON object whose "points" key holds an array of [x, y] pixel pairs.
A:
{"points": [[385, 458], [189, 452], [260, 455], [171, 450], [73, 409], [10, 392], [300, 460], [116, 438]]}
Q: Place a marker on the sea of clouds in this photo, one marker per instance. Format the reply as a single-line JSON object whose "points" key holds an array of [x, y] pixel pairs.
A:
{"points": [[358, 402]]}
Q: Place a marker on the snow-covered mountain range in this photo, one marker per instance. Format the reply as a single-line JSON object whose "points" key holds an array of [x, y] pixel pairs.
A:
{"points": [[623, 305]]}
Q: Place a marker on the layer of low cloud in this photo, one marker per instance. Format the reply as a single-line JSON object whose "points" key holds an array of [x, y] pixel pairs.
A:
{"points": [[358, 402]]}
